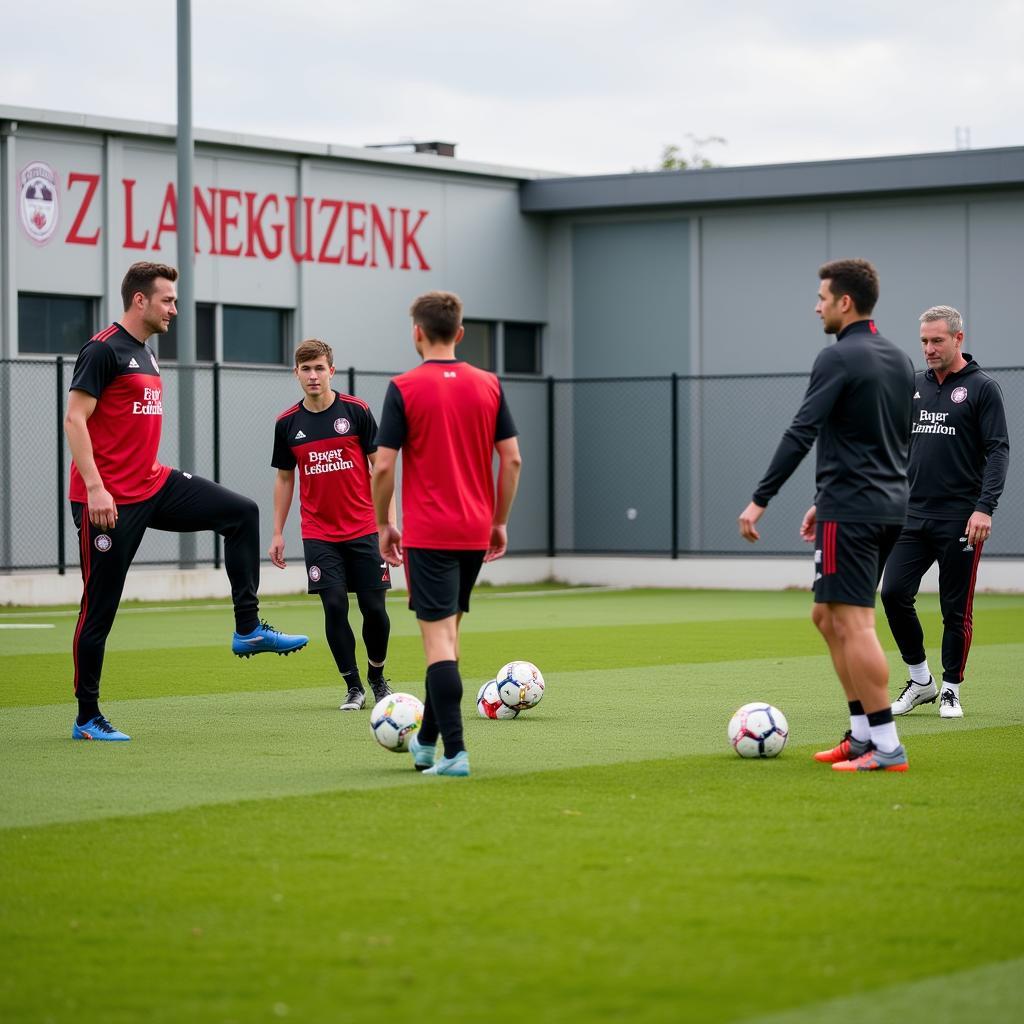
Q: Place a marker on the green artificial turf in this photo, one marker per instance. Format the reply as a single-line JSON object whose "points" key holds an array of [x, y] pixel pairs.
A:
{"points": [[252, 855]]}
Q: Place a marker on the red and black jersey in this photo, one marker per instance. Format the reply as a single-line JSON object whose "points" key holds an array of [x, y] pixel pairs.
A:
{"points": [[446, 417], [122, 374], [329, 449]]}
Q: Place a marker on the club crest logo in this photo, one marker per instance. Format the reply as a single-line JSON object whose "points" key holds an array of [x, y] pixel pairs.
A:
{"points": [[103, 542], [38, 204], [314, 573], [959, 395], [342, 425]]}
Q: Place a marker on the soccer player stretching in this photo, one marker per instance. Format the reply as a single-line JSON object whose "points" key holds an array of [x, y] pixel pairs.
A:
{"points": [[447, 418], [332, 437], [119, 489], [858, 405]]}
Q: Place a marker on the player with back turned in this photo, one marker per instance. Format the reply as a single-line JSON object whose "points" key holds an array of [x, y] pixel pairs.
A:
{"points": [[447, 418], [119, 489], [858, 405]]}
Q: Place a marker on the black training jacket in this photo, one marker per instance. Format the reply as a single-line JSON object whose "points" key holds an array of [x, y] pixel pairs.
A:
{"points": [[959, 445], [858, 405]]}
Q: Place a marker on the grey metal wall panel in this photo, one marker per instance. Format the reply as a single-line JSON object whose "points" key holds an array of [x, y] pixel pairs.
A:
{"points": [[630, 305], [759, 280], [995, 268], [920, 251]]}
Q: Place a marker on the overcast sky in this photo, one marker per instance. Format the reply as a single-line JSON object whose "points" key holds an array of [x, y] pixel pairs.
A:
{"points": [[578, 86]]}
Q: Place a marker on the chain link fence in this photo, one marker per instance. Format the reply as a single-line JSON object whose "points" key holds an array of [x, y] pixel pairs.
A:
{"points": [[639, 465]]}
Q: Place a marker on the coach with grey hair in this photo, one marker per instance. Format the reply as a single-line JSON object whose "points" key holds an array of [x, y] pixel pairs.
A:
{"points": [[959, 453]]}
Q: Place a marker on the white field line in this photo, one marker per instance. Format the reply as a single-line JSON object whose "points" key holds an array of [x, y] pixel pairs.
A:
{"points": [[26, 625], [478, 595]]}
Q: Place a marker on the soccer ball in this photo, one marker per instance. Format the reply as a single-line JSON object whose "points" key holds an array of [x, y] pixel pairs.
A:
{"points": [[489, 704], [520, 685], [394, 719], [758, 730]]}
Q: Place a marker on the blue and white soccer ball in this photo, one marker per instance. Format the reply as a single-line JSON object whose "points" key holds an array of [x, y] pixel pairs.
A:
{"points": [[489, 704], [758, 730], [394, 719], [520, 685]]}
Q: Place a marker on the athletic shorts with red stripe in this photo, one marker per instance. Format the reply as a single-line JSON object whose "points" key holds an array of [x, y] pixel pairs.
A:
{"points": [[922, 542], [848, 561]]}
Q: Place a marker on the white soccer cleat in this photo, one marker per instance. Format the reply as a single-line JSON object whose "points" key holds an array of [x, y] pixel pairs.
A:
{"points": [[914, 694], [949, 705]]}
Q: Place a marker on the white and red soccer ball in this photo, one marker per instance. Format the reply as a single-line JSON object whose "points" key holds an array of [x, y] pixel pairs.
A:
{"points": [[489, 704], [758, 730]]}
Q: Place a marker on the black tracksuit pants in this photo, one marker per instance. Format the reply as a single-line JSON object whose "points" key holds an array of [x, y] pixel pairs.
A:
{"points": [[184, 504], [922, 542]]}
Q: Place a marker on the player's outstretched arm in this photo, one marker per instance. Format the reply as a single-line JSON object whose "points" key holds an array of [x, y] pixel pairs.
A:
{"points": [[284, 488], [102, 508]]}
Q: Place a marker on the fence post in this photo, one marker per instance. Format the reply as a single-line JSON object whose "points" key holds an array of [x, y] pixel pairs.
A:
{"points": [[675, 465], [551, 467], [351, 380], [61, 552], [216, 452]]}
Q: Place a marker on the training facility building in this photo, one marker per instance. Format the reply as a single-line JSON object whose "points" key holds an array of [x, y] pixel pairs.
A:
{"points": [[654, 329]]}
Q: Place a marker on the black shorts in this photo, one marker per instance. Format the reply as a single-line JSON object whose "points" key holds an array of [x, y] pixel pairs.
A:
{"points": [[440, 582], [848, 560], [353, 564]]}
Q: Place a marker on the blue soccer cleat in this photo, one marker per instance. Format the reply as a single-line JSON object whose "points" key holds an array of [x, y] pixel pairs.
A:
{"points": [[97, 728], [422, 754], [457, 766], [265, 639]]}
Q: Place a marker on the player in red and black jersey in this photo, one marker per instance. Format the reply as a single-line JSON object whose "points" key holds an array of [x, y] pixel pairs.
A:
{"points": [[447, 418], [858, 408], [330, 439], [119, 489]]}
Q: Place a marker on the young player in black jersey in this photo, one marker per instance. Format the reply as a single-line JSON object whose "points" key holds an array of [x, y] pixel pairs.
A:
{"points": [[959, 452], [858, 406], [330, 439]]}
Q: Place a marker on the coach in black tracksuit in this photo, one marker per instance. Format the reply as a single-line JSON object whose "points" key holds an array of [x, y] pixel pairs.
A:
{"points": [[959, 452]]}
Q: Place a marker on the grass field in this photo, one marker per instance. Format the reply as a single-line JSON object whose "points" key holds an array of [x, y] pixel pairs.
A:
{"points": [[252, 855]]}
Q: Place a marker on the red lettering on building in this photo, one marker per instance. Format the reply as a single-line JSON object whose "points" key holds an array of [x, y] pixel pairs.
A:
{"points": [[236, 223], [74, 236], [334, 206], [307, 229], [168, 216], [254, 221], [130, 241], [409, 240], [207, 213], [356, 231], [228, 220], [386, 234]]}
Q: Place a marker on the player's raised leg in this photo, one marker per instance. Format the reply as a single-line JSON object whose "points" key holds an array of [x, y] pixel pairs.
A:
{"points": [[190, 503]]}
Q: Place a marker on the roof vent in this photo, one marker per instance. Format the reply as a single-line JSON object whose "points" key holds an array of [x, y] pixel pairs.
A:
{"points": [[437, 148]]}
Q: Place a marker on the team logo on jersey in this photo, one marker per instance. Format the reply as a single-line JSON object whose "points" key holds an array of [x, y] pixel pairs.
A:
{"points": [[314, 573], [959, 395], [132, 365], [342, 425], [299, 436], [38, 204], [103, 542], [917, 394]]}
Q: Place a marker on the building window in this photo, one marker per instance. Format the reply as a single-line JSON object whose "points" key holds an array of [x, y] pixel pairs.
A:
{"points": [[55, 324], [522, 348], [253, 334], [206, 350], [477, 345]]}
